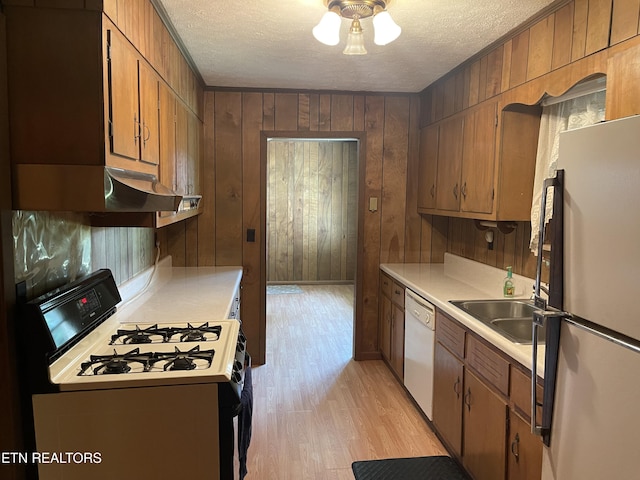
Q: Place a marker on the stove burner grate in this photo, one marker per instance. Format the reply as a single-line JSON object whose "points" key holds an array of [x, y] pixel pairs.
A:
{"points": [[115, 364], [196, 334], [179, 360], [140, 335]]}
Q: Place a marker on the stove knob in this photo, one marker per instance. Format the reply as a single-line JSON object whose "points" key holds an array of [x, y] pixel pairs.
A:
{"points": [[236, 377], [237, 365]]}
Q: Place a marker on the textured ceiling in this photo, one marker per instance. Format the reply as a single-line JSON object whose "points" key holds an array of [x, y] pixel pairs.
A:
{"points": [[268, 43]]}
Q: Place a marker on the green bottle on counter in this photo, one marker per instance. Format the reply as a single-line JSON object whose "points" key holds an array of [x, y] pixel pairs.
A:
{"points": [[509, 288]]}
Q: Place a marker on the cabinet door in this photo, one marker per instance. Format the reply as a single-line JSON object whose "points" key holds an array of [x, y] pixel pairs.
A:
{"points": [[485, 431], [124, 115], [428, 167], [447, 397], [193, 164], [385, 327], [478, 160], [182, 149], [397, 340], [167, 126], [449, 164], [149, 113], [525, 451]]}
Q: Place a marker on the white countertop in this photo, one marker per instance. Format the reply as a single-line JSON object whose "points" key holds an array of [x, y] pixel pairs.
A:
{"points": [[180, 294], [462, 279]]}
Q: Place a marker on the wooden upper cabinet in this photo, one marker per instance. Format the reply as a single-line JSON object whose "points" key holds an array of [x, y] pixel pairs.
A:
{"points": [[194, 151], [149, 114], [520, 127], [428, 167], [124, 115], [182, 149], [480, 173], [133, 102], [623, 97], [478, 160], [449, 164], [459, 153]]}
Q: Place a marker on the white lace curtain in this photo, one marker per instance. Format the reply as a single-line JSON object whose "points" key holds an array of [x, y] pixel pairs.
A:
{"points": [[556, 118]]}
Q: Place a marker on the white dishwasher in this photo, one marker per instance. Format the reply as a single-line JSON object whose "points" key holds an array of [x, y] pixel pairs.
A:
{"points": [[419, 346]]}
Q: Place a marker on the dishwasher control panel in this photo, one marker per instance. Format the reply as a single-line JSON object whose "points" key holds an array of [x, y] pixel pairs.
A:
{"points": [[419, 308]]}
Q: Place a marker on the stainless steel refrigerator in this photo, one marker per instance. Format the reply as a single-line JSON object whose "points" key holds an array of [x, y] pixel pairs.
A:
{"points": [[594, 432]]}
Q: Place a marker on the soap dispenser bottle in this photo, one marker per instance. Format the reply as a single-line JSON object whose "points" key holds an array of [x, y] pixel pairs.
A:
{"points": [[508, 287]]}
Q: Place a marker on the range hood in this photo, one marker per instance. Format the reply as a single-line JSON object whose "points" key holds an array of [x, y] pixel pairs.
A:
{"points": [[80, 188]]}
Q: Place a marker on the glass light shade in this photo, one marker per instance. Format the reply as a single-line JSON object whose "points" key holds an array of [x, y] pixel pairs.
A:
{"points": [[355, 40], [328, 29], [386, 30]]}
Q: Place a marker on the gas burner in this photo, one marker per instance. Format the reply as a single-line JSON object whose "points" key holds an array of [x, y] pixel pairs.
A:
{"points": [[179, 360], [151, 334], [115, 364], [202, 333]]}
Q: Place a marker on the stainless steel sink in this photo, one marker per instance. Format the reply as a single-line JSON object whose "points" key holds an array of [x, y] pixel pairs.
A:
{"points": [[510, 318]]}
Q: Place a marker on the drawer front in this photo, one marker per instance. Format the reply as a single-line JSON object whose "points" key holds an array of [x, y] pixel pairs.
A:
{"points": [[397, 294], [450, 334], [489, 364], [386, 284], [520, 392]]}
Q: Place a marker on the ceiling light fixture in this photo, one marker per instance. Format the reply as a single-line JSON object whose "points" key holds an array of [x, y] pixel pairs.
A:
{"points": [[328, 30]]}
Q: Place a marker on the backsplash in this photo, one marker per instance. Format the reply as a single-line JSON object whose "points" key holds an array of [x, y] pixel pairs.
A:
{"points": [[51, 249]]}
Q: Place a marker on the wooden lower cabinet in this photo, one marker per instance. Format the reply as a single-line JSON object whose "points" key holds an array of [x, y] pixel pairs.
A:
{"points": [[485, 430], [479, 399], [385, 327], [391, 324], [397, 341], [447, 397], [524, 450]]}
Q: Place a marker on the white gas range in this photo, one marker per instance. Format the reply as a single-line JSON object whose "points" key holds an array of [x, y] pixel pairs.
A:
{"points": [[103, 386]]}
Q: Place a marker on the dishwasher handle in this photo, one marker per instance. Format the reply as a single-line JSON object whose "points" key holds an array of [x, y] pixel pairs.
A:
{"points": [[419, 308]]}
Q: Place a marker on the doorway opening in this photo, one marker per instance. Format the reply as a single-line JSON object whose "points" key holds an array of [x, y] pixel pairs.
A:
{"points": [[311, 220]]}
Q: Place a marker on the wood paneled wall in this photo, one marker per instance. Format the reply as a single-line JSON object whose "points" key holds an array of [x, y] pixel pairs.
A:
{"points": [[311, 210], [573, 31], [237, 124], [465, 239], [125, 251]]}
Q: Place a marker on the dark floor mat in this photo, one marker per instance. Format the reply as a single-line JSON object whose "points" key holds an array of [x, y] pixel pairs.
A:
{"points": [[418, 468]]}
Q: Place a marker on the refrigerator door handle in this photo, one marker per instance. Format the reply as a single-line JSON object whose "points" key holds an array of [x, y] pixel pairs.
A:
{"points": [[537, 322], [552, 318]]}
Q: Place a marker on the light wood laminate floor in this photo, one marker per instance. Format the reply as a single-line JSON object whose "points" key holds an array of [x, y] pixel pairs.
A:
{"points": [[316, 410]]}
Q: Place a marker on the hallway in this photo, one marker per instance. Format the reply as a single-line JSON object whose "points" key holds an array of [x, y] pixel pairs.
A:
{"points": [[315, 409]]}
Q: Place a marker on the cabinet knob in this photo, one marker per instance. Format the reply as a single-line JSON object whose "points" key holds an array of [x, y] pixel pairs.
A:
{"points": [[455, 191], [433, 191], [464, 190], [456, 387]]}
